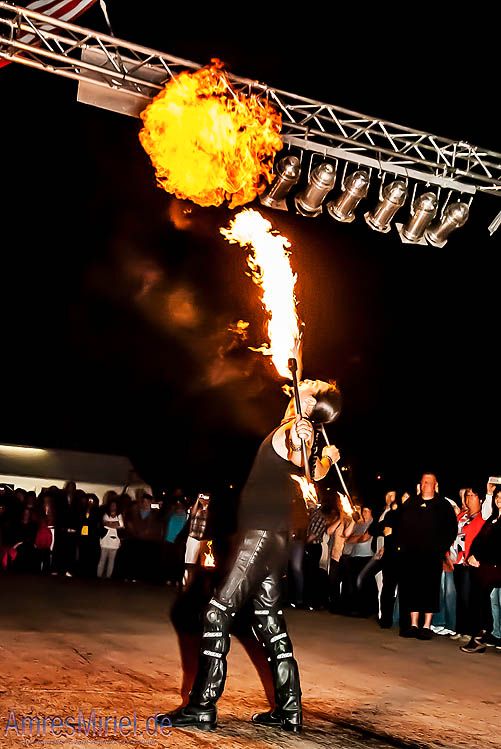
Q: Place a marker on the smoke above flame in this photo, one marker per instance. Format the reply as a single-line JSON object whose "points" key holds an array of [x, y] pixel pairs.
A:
{"points": [[270, 269], [209, 143]]}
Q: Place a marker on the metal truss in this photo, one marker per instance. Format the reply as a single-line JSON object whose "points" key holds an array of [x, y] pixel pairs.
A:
{"points": [[124, 77]]}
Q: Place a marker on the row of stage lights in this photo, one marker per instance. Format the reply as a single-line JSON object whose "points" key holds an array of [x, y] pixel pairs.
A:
{"points": [[419, 229]]}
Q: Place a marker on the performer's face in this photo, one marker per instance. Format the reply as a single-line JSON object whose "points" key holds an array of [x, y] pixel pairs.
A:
{"points": [[316, 387], [309, 390]]}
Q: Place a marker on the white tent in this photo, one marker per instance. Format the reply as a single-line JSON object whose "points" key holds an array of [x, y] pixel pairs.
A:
{"points": [[35, 468]]}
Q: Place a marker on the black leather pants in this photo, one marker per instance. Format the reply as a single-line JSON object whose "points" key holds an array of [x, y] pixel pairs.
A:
{"points": [[259, 561]]}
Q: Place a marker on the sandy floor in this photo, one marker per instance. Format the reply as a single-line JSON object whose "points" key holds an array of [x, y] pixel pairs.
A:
{"points": [[68, 646]]}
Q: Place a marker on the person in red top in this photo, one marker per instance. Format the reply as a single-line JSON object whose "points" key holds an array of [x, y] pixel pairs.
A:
{"points": [[470, 523]]}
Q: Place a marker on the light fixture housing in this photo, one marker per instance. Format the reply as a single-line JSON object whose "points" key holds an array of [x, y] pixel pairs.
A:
{"points": [[355, 188], [288, 171], [454, 217], [423, 211], [393, 197], [322, 179]]}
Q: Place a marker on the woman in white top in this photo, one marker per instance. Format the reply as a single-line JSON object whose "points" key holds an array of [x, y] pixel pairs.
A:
{"points": [[110, 542]]}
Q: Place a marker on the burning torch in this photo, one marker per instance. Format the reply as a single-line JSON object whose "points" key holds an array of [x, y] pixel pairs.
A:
{"points": [[348, 505], [293, 370]]}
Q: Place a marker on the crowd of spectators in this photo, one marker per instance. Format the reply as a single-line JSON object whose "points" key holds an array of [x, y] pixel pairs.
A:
{"points": [[131, 536], [426, 564]]}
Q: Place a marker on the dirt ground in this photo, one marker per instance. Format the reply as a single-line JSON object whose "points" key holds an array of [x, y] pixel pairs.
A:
{"points": [[70, 647]]}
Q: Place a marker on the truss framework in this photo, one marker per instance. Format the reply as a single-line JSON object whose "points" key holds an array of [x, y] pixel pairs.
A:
{"points": [[124, 77]]}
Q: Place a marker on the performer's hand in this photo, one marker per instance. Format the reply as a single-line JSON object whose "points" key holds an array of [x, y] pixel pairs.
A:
{"points": [[303, 429], [332, 452]]}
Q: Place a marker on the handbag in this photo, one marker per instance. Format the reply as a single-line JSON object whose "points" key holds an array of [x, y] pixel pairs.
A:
{"points": [[43, 538]]}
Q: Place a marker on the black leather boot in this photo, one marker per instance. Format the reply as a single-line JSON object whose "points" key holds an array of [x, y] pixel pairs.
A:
{"points": [[200, 712], [277, 719], [288, 694], [190, 716], [272, 718], [292, 722], [271, 630]]}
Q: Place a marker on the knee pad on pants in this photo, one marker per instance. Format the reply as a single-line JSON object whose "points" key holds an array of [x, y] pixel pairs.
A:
{"points": [[269, 627], [215, 637]]}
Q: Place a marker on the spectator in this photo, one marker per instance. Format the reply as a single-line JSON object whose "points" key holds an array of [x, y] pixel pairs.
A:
{"points": [[317, 527], [174, 541], [389, 562], [339, 531], [142, 547], [46, 535], [444, 622], [484, 562], [112, 522], [7, 553], [427, 529], [67, 520], [24, 535], [470, 521], [88, 536], [360, 590], [136, 488], [487, 505], [108, 497], [198, 520]]}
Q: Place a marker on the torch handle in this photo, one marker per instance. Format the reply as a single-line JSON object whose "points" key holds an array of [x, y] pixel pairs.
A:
{"points": [[341, 479], [297, 400]]}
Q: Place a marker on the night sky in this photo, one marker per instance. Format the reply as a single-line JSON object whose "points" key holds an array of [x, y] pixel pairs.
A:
{"points": [[114, 321]]}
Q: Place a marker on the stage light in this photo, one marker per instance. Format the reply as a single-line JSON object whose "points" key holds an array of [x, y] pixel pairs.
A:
{"points": [[495, 224], [355, 188], [423, 212], [288, 171], [309, 201], [393, 197], [454, 216]]}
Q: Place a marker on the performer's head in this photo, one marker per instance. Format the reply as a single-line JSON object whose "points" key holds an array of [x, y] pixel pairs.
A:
{"points": [[320, 401]]}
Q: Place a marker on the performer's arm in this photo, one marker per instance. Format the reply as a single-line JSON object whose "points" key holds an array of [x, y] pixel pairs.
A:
{"points": [[287, 443], [330, 455], [287, 440]]}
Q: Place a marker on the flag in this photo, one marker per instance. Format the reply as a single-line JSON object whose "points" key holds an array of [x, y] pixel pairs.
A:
{"points": [[64, 10]]}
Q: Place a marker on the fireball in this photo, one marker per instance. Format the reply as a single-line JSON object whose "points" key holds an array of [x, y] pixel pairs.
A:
{"points": [[208, 142]]}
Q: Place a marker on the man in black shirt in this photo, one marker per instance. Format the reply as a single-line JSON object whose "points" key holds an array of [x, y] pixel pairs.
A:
{"points": [[264, 524], [426, 529]]}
